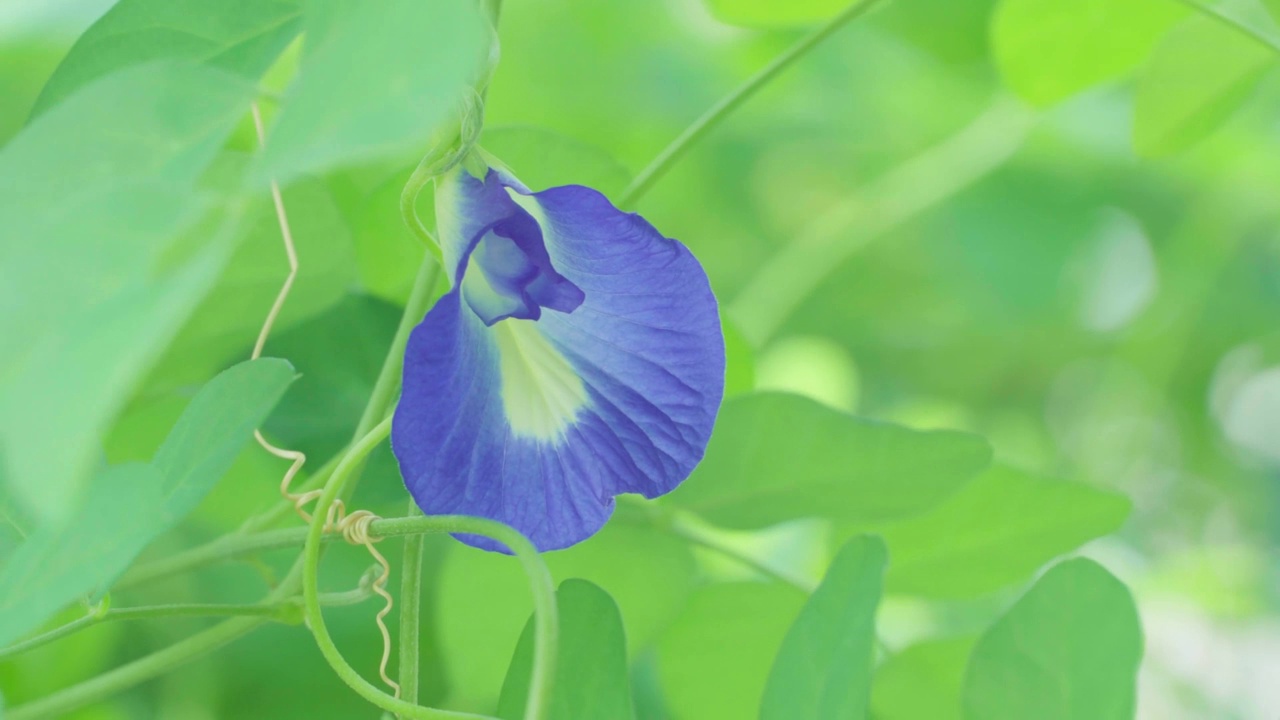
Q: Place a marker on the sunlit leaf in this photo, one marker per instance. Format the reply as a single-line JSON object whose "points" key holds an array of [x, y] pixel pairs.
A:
{"points": [[768, 13], [922, 681], [715, 658], [1068, 650], [375, 80], [99, 190], [1197, 77], [1048, 50], [129, 505], [1000, 529], [591, 662], [823, 671], [740, 366], [240, 36], [542, 159], [776, 457]]}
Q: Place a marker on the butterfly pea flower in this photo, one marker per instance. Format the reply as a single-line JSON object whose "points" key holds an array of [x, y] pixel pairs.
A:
{"points": [[577, 356]]}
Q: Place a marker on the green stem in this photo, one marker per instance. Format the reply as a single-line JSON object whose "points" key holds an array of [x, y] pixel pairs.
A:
{"points": [[540, 578], [387, 386], [227, 547], [276, 611], [544, 597], [718, 112], [410, 609], [158, 663], [1218, 15]]}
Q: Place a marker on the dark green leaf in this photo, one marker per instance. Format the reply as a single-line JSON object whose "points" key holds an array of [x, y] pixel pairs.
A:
{"points": [[591, 663], [1068, 650], [339, 354], [240, 36], [823, 671], [375, 81], [715, 658], [776, 457], [999, 530], [1197, 77], [1048, 50], [922, 682], [100, 189]]}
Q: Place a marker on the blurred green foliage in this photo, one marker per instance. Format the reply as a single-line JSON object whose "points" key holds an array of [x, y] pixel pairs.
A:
{"points": [[1037, 231]]}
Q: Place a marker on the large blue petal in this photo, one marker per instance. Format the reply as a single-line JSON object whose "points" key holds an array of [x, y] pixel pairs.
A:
{"points": [[539, 419]]}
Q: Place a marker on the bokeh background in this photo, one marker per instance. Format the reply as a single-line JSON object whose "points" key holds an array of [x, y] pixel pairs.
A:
{"points": [[904, 225]]}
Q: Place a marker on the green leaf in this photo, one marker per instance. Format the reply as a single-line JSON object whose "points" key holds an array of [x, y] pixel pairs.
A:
{"points": [[120, 515], [129, 505], [1068, 650], [388, 254], [715, 657], [339, 354], [740, 364], [240, 36], [1048, 50], [771, 14], [100, 189], [1197, 77], [484, 598], [375, 80], [591, 662], [542, 158], [1000, 529], [823, 671], [922, 682], [777, 457], [213, 429]]}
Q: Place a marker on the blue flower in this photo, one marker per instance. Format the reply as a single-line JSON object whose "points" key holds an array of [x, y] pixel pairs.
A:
{"points": [[578, 356]]}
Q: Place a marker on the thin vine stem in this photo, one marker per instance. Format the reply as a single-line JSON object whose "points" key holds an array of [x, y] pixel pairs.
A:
{"points": [[718, 112]]}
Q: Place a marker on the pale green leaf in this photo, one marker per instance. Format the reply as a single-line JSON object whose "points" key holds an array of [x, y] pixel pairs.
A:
{"points": [[1048, 50], [120, 515], [542, 159], [922, 682], [240, 36], [999, 530], [823, 671], [1197, 77], [375, 80], [777, 457], [97, 192], [1068, 650], [715, 658], [770, 13], [213, 429], [484, 598], [129, 505], [591, 678]]}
